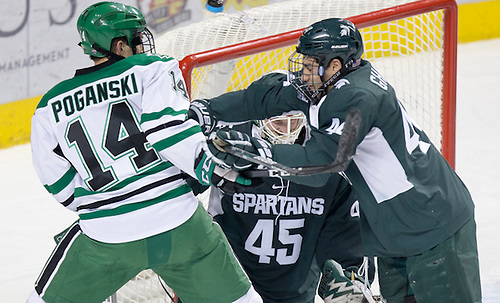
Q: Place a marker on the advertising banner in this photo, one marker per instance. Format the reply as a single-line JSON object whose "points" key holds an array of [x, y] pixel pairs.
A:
{"points": [[40, 42]]}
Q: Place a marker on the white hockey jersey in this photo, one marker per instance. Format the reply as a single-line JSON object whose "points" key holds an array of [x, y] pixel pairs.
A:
{"points": [[111, 142]]}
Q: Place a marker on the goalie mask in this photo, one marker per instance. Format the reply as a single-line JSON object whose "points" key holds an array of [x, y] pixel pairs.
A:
{"points": [[100, 23], [282, 129], [318, 45]]}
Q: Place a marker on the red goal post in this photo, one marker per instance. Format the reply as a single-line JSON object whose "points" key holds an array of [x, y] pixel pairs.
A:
{"points": [[446, 16]]}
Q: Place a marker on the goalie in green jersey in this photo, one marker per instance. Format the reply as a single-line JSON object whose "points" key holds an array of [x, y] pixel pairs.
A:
{"points": [[283, 233], [417, 216]]}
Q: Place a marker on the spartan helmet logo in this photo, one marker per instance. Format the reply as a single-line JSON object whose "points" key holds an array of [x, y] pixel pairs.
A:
{"points": [[347, 28], [344, 30]]}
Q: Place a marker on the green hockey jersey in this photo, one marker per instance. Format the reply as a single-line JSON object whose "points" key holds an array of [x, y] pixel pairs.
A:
{"points": [[283, 232], [410, 197]]}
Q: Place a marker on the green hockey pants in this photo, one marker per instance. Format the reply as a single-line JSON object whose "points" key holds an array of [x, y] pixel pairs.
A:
{"points": [[448, 272]]}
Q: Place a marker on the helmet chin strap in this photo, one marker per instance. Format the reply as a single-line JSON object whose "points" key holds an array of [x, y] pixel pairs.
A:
{"points": [[107, 53], [135, 41], [341, 73]]}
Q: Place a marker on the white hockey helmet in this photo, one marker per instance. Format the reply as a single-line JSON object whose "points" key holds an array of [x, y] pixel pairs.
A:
{"points": [[282, 129]]}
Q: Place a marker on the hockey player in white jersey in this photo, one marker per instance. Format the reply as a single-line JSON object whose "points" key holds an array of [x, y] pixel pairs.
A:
{"points": [[111, 144]]}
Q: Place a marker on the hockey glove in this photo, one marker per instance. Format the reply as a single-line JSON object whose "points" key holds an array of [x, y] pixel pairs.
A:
{"points": [[241, 140], [199, 110], [208, 172]]}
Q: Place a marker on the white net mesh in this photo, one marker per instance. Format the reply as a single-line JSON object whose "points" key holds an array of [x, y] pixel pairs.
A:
{"points": [[146, 287], [411, 59], [263, 21], [407, 52]]}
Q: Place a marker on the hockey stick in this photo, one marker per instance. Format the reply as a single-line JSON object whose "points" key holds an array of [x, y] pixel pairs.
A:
{"points": [[344, 155]]}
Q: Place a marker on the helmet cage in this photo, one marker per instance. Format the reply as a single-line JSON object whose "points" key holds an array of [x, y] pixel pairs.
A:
{"points": [[144, 38], [287, 133], [311, 91]]}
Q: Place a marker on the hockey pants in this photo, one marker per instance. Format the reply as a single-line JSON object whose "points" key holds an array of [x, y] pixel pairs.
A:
{"points": [[194, 259], [448, 272]]}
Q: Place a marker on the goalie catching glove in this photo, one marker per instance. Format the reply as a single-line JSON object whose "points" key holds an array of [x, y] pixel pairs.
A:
{"points": [[229, 137], [200, 111], [210, 171]]}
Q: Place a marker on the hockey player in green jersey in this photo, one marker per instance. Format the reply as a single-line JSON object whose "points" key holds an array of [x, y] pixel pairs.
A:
{"points": [[416, 214], [283, 232], [111, 144]]}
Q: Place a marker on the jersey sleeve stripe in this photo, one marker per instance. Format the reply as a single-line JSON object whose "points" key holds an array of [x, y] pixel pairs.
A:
{"points": [[145, 117], [68, 201], [172, 140], [60, 184], [164, 126]]}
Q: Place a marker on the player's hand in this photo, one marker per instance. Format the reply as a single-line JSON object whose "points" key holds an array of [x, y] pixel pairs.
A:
{"points": [[241, 140], [200, 111], [211, 171], [229, 181]]}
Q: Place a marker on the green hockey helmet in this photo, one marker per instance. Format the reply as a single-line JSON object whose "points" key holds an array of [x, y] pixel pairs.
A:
{"points": [[325, 40], [331, 38], [101, 22]]}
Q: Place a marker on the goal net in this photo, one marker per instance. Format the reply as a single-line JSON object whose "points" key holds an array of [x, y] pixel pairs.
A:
{"points": [[411, 43], [146, 287]]}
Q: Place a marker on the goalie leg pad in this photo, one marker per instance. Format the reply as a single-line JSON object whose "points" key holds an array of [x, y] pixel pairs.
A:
{"points": [[336, 287]]}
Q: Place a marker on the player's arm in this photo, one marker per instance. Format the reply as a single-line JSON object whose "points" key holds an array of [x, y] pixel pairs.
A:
{"points": [[326, 129], [55, 172], [176, 138], [164, 116], [330, 129], [264, 98]]}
